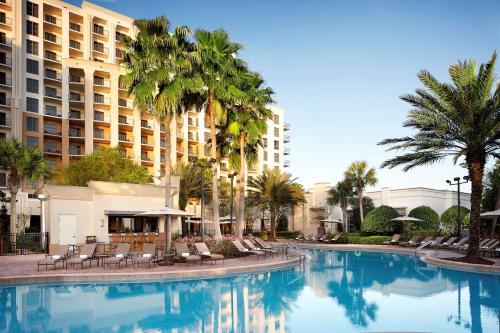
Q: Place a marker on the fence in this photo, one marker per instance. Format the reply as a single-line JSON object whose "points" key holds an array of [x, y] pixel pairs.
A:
{"points": [[28, 243]]}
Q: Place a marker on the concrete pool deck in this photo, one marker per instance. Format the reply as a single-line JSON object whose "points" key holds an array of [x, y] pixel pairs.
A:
{"points": [[23, 269]]}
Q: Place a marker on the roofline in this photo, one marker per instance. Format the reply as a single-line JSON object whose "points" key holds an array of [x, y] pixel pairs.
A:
{"points": [[89, 5], [415, 188]]}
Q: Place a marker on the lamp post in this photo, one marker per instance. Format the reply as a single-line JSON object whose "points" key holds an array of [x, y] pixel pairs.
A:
{"points": [[458, 183], [194, 160], [231, 176], [43, 226]]}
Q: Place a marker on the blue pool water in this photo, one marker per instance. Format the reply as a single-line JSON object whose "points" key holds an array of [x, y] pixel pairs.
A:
{"points": [[335, 292]]}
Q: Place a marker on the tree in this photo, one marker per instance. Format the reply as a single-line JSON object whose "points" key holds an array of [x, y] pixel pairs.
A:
{"points": [[21, 163], [491, 193], [190, 180], [218, 69], [4, 219], [159, 78], [358, 175], [430, 220], [246, 123], [379, 222], [368, 206], [460, 120], [340, 195], [449, 219], [276, 192], [106, 164]]}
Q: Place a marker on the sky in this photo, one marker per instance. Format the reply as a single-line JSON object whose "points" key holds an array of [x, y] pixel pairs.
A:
{"points": [[339, 67]]}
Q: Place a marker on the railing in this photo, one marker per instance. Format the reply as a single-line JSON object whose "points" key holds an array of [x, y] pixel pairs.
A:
{"points": [[98, 81], [100, 135], [287, 151], [6, 61], [123, 103], [6, 20], [75, 44], [51, 38], [75, 115], [75, 151], [5, 101], [53, 93], [99, 99], [75, 27], [192, 122], [125, 121], [6, 41], [24, 243], [286, 138], [145, 142], [75, 134], [422, 246], [73, 97], [52, 56], [124, 138], [6, 81], [50, 74], [52, 113], [145, 124], [289, 247], [5, 122], [286, 163], [99, 30], [51, 19], [52, 150], [286, 126], [100, 49], [52, 132], [75, 79]]}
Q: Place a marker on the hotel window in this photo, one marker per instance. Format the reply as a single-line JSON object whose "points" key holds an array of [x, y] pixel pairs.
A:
{"points": [[31, 9], [98, 29], [265, 156], [276, 119], [32, 124], [32, 47], [32, 141], [3, 179], [276, 144], [31, 104], [98, 133], [32, 85], [32, 66], [51, 110], [51, 92], [32, 28], [276, 131], [264, 142], [3, 98], [276, 158], [3, 119], [74, 44]]}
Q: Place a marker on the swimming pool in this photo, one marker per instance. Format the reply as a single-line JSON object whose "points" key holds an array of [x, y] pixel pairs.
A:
{"points": [[337, 291]]}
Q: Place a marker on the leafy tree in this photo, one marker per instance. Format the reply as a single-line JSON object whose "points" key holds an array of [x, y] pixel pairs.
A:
{"points": [[340, 195], [429, 217], [460, 120], [4, 219], [218, 68], [359, 177], [368, 206], [491, 194], [282, 224], [105, 164], [190, 183], [276, 192], [378, 222], [449, 219], [21, 163]]}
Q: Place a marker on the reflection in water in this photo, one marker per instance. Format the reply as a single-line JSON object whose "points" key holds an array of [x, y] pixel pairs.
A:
{"points": [[357, 292]]}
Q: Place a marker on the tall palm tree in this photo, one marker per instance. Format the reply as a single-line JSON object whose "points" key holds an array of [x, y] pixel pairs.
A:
{"points": [[247, 124], [276, 192], [190, 180], [460, 120], [159, 78], [219, 69], [359, 177], [21, 163], [340, 195]]}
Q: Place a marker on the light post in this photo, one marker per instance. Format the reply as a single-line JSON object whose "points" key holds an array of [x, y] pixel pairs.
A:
{"points": [[231, 176], [194, 160], [43, 226], [458, 183]]}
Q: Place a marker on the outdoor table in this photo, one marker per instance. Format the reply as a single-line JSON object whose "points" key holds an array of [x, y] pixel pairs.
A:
{"points": [[101, 256]]}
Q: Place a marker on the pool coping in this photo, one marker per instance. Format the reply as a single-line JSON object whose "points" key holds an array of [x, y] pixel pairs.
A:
{"points": [[216, 271], [399, 250]]}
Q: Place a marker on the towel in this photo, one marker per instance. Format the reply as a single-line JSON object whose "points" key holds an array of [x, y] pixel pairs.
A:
{"points": [[56, 257], [206, 253], [184, 255], [147, 255], [120, 255], [83, 256]]}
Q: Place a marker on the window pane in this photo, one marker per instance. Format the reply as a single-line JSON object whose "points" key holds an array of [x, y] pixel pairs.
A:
{"points": [[32, 141], [32, 124], [31, 104], [32, 85], [32, 66]]}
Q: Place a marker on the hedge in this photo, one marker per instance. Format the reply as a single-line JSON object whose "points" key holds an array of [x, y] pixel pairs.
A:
{"points": [[429, 217], [378, 222], [449, 219], [358, 239]]}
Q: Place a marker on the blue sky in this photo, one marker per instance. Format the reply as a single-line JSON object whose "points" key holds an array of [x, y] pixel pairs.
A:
{"points": [[339, 67]]}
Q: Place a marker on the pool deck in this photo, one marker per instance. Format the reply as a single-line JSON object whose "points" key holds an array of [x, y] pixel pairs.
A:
{"points": [[431, 256], [23, 269]]}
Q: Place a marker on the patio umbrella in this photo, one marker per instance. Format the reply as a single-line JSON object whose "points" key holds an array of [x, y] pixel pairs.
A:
{"points": [[167, 211], [331, 221], [407, 219], [492, 214], [226, 218]]}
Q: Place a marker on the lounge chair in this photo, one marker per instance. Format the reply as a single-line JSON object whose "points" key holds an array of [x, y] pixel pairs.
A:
{"points": [[435, 243], [448, 243], [334, 239], [309, 238], [86, 254], [412, 242], [243, 250], [252, 247], [205, 254], [148, 255], [460, 243], [394, 240], [300, 237], [57, 254], [182, 251], [490, 248], [426, 240], [121, 253], [262, 244], [319, 238]]}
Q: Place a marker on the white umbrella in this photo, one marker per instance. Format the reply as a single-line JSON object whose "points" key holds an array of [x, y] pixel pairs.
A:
{"points": [[226, 218], [407, 218], [492, 214], [331, 221]]}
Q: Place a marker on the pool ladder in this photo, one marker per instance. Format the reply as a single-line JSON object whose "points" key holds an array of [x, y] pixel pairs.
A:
{"points": [[422, 246], [298, 251]]}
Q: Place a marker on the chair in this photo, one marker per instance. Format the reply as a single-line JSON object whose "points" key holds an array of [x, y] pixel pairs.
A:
{"points": [[460, 243], [490, 248], [183, 254], [426, 239], [202, 248], [437, 241], [448, 243], [86, 254], [300, 237], [254, 248], [57, 254], [243, 250], [262, 244], [334, 239], [148, 255], [412, 242], [393, 241], [121, 253]]}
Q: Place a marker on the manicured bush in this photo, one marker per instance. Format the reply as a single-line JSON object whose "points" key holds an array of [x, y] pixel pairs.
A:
{"points": [[449, 219], [378, 222], [287, 234], [358, 239], [430, 221]]}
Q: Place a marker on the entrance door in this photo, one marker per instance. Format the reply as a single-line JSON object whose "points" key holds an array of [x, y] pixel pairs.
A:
{"points": [[67, 229]]}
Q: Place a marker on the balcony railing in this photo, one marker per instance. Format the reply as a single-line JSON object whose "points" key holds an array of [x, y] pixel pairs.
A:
{"points": [[5, 122], [75, 151], [102, 82], [192, 137], [99, 30], [75, 79], [52, 150], [123, 103], [98, 116], [52, 131], [50, 74], [100, 135], [192, 151], [4, 101], [192, 122], [75, 115], [51, 19], [286, 163], [52, 113], [52, 56], [51, 38], [53, 93], [100, 49], [73, 133], [287, 151], [73, 97], [286, 126], [125, 120], [145, 141], [4, 40], [286, 138], [6, 81], [124, 138], [5, 20], [99, 99], [145, 124], [75, 44], [145, 158], [75, 27], [6, 61]]}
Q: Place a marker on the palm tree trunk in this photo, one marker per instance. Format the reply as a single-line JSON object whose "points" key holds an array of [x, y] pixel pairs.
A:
{"points": [[241, 188], [13, 212], [273, 224], [168, 185], [476, 172], [213, 153], [360, 198], [344, 218]]}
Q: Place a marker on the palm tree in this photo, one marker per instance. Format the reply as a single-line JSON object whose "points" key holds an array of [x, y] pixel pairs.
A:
{"points": [[21, 162], [340, 195], [276, 192], [219, 70], [190, 180], [359, 177], [246, 123], [159, 68], [460, 120]]}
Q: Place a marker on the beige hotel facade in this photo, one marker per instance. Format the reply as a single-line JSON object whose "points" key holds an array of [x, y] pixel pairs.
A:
{"points": [[60, 91]]}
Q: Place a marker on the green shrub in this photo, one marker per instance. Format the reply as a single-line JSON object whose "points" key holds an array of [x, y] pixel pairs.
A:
{"points": [[449, 219], [359, 239], [430, 221], [378, 222], [287, 234]]}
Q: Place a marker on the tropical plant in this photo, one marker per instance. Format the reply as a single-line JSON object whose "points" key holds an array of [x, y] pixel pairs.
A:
{"points": [[340, 195], [4, 218], [449, 219], [460, 120], [190, 183], [106, 164], [21, 163], [219, 70], [379, 222], [359, 177], [491, 193], [355, 218], [430, 220], [276, 192]]}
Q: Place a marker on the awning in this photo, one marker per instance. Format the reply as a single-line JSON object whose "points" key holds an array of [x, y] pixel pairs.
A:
{"points": [[491, 214], [122, 212]]}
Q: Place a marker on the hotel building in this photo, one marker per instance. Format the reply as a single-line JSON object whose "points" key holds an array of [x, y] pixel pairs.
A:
{"points": [[60, 91]]}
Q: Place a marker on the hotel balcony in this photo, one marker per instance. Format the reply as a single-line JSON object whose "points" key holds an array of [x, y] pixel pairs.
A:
{"points": [[5, 41], [5, 123], [76, 151], [51, 111], [75, 79], [52, 57], [76, 134], [286, 126], [76, 115], [146, 126], [124, 138], [101, 99], [100, 31], [52, 93], [286, 163], [192, 137], [6, 21], [101, 117], [287, 151], [52, 39], [286, 138], [146, 159], [52, 132], [51, 19], [100, 49], [102, 82], [75, 27], [192, 151], [52, 150], [6, 61], [75, 45], [100, 136], [126, 122], [193, 122], [6, 81], [146, 143], [180, 136], [4, 101], [124, 103], [76, 97], [52, 75]]}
